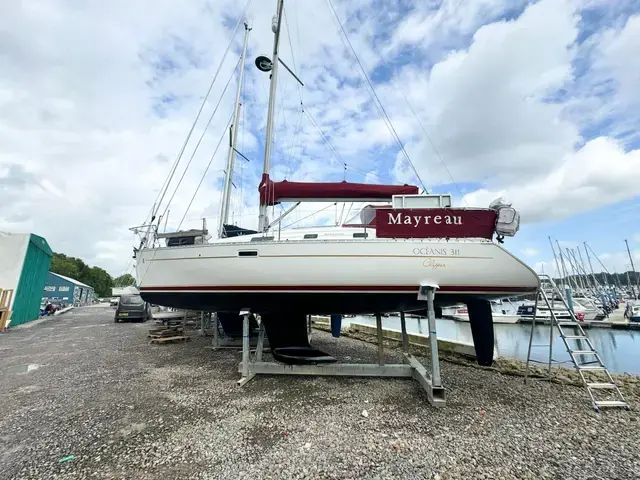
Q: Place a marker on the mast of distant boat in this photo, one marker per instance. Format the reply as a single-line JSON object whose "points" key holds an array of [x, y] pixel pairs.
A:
{"points": [[633, 269], [228, 177], [275, 28]]}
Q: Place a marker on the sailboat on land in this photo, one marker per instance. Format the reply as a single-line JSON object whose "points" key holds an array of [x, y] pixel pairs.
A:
{"points": [[376, 262]]}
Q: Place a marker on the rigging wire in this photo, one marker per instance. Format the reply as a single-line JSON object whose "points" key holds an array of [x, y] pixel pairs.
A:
{"points": [[341, 213], [224, 134], [293, 58], [335, 152], [345, 218], [311, 215], [165, 185], [172, 172], [204, 101], [298, 88], [242, 132], [213, 218], [379, 103], [384, 61], [315, 124], [364, 173], [261, 138], [295, 8], [279, 115], [296, 133], [204, 131]]}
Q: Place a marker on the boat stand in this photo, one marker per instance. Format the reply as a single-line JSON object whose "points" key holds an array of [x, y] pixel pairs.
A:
{"points": [[205, 323], [218, 343], [410, 368]]}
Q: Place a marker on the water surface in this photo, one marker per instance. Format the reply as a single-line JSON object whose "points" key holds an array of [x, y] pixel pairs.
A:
{"points": [[618, 349]]}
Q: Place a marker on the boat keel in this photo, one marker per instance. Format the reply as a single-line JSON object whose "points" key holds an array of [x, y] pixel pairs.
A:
{"points": [[232, 324], [289, 339], [481, 320]]}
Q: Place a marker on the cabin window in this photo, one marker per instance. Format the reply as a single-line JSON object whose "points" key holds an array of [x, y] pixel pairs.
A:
{"points": [[262, 239], [360, 235], [248, 253], [309, 236], [179, 241]]}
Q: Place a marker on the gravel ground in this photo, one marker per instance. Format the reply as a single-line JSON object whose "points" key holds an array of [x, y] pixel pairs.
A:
{"points": [[127, 409]]}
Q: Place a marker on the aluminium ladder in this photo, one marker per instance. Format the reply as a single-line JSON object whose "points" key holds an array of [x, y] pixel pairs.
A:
{"points": [[587, 370]]}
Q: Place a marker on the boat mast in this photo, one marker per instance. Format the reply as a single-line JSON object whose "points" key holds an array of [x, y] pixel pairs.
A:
{"points": [[564, 267], [590, 265], [576, 267], [584, 269], [633, 268], [555, 258], [275, 27], [228, 177]]}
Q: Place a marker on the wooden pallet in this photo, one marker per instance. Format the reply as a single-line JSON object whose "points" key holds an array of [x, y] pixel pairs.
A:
{"points": [[178, 338], [171, 323], [165, 332], [6, 295], [167, 335]]}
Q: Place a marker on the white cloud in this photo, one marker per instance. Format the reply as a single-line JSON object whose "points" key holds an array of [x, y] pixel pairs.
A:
{"points": [[618, 261], [568, 244], [530, 252], [77, 121], [441, 22], [598, 174], [616, 70], [96, 99], [546, 267], [485, 107], [613, 262], [492, 123]]}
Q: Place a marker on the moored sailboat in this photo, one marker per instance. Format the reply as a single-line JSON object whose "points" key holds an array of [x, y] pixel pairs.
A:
{"points": [[376, 263]]}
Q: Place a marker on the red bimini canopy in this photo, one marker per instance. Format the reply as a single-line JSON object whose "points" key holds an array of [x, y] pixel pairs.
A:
{"points": [[272, 193]]}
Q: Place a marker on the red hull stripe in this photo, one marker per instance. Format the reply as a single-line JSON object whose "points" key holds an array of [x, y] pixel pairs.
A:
{"points": [[335, 288]]}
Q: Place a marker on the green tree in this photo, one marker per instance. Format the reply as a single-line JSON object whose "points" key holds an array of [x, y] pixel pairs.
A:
{"points": [[125, 280], [63, 265], [100, 280], [75, 268]]}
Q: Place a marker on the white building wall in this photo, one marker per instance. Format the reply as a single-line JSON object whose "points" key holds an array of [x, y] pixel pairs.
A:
{"points": [[13, 248]]}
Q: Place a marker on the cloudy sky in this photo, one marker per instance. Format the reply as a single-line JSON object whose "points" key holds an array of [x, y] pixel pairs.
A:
{"points": [[536, 101]]}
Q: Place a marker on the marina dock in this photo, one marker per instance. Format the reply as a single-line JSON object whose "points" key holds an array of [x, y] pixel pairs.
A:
{"points": [[619, 348], [417, 339], [615, 320]]}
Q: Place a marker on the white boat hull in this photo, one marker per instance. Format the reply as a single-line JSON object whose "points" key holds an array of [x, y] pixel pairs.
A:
{"points": [[328, 276], [506, 318], [589, 315], [497, 318], [545, 314]]}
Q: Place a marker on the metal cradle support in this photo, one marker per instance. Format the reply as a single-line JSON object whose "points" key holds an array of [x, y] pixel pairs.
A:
{"points": [[410, 368], [584, 356], [247, 374], [428, 292], [205, 323], [221, 343]]}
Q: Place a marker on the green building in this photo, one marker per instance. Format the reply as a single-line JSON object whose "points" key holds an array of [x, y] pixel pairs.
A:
{"points": [[25, 259]]}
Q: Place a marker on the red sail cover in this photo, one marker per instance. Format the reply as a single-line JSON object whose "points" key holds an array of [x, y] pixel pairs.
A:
{"points": [[435, 223], [272, 192]]}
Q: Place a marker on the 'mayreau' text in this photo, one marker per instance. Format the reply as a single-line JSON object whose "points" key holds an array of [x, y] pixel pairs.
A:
{"points": [[417, 220]]}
